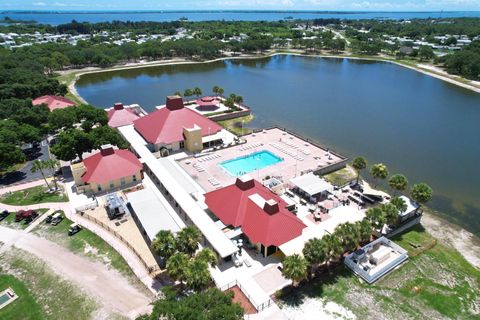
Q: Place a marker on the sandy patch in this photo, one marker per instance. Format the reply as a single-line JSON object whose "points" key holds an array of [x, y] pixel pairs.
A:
{"points": [[318, 309]]}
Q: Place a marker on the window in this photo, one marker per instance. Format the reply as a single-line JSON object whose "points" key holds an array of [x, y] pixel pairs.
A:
{"points": [[112, 185], [134, 178], [122, 181], [182, 144], [99, 188]]}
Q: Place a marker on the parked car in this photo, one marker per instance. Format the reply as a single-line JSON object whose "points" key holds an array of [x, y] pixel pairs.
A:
{"points": [[24, 214], [74, 228], [56, 219], [48, 219], [31, 217], [3, 213]]}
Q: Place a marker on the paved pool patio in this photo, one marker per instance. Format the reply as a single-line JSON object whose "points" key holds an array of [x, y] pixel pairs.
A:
{"points": [[298, 155]]}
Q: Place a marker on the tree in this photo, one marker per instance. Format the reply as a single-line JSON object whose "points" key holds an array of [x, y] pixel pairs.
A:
{"points": [[39, 165], [348, 236], [211, 304], [364, 230], [177, 93], [376, 217], [295, 268], [10, 154], [399, 203], [379, 171], [105, 135], [390, 213], [188, 239], [164, 244], [333, 247], [421, 193], [197, 276], [52, 165], [62, 118], [188, 93], [71, 144], [197, 91], [398, 182], [217, 90], [359, 163], [177, 266], [426, 53], [208, 256]]}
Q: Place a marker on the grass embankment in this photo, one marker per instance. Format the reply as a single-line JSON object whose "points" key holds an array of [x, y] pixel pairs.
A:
{"points": [[67, 79], [9, 221], [85, 243], [42, 293], [34, 195], [237, 125], [435, 283]]}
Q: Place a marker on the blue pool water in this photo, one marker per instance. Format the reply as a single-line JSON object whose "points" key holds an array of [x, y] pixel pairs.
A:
{"points": [[255, 161]]}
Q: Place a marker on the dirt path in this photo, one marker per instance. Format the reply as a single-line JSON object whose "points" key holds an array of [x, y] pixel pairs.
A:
{"points": [[465, 242], [110, 289]]}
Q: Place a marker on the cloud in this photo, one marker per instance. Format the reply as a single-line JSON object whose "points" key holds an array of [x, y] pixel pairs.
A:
{"points": [[39, 4]]}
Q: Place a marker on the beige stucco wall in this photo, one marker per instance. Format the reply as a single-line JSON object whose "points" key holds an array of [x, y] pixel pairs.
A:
{"points": [[105, 187]]}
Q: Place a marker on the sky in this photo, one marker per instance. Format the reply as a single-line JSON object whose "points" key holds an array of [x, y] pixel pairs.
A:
{"points": [[340, 5]]}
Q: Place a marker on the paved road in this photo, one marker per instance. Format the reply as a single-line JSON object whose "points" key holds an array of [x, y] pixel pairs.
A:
{"points": [[111, 290], [25, 174]]}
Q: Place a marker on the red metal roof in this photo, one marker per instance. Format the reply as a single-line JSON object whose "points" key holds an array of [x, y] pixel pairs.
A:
{"points": [[110, 164], [53, 102], [166, 124], [207, 101], [233, 206], [118, 117]]}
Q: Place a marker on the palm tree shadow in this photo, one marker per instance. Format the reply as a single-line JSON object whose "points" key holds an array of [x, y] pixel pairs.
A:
{"points": [[314, 288]]}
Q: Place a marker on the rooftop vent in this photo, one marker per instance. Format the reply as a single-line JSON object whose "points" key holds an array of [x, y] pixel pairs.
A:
{"points": [[245, 182], [118, 106], [271, 206], [174, 103], [107, 150]]}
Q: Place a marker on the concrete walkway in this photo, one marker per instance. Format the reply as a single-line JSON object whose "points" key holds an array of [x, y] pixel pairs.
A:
{"points": [[112, 290]]}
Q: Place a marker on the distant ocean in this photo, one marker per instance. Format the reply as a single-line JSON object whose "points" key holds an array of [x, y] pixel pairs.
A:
{"points": [[55, 18]]}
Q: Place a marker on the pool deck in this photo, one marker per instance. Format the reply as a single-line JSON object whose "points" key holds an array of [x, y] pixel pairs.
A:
{"points": [[299, 156]]}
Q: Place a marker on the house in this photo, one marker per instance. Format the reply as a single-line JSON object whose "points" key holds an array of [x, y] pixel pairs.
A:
{"points": [[207, 103], [175, 127], [106, 170], [119, 116], [53, 102], [247, 207]]}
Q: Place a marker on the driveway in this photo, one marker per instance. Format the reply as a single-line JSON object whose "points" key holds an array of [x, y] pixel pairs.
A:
{"points": [[24, 175]]}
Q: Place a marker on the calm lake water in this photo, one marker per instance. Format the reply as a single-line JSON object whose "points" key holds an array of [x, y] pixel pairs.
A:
{"points": [[420, 126], [55, 18]]}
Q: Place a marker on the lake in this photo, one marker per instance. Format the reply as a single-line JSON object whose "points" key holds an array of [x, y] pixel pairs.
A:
{"points": [[417, 125], [55, 18]]}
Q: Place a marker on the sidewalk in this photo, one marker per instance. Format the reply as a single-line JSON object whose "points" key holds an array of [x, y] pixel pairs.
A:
{"points": [[17, 187]]}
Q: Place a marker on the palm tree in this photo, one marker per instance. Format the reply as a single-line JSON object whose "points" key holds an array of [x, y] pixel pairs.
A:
{"points": [[220, 91], [422, 193], [188, 93], [398, 182], [197, 91], [333, 247], [164, 244], [390, 213], [365, 230], [177, 93], [188, 239], [295, 268], [238, 99], [399, 203], [177, 266], [348, 235], [314, 252], [208, 256], [52, 164], [379, 171], [39, 165], [359, 163], [197, 276], [376, 217]]}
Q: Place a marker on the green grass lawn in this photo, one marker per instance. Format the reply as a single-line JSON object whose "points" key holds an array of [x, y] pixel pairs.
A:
{"points": [[25, 306], [9, 221], [341, 177], [235, 125], [38, 194], [435, 283], [86, 243], [42, 293]]}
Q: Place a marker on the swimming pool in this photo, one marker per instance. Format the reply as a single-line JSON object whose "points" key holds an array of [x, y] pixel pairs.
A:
{"points": [[254, 161]]}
